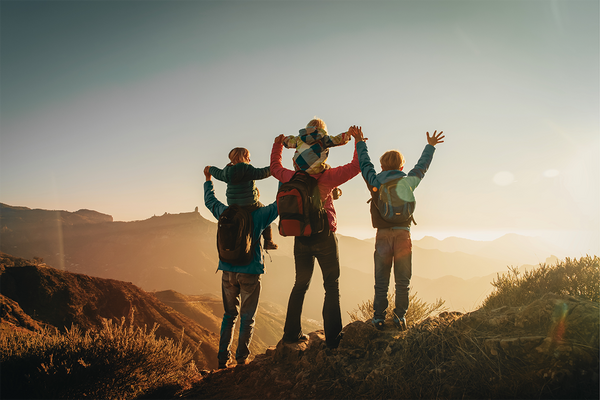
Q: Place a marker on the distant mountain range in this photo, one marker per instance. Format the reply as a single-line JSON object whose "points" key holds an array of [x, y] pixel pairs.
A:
{"points": [[178, 252], [511, 248]]}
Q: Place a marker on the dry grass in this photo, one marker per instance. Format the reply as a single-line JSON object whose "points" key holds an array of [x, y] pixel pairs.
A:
{"points": [[446, 355], [573, 277], [117, 362], [418, 310]]}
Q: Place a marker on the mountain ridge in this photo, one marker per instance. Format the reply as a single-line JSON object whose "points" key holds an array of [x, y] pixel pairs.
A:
{"points": [[178, 252], [60, 299]]}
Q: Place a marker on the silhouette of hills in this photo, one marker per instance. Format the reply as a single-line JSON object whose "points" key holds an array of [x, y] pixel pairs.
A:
{"points": [[37, 217], [427, 263], [35, 295], [173, 251], [511, 248], [178, 252]]}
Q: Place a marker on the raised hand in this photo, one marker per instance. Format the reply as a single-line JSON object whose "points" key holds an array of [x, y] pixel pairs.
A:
{"points": [[279, 139], [207, 172], [356, 132], [435, 138]]}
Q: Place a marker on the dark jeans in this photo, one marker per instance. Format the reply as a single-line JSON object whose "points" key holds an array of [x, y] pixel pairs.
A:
{"points": [[240, 291], [392, 246], [324, 247]]}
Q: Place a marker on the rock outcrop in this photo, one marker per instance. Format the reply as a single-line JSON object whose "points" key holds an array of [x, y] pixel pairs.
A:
{"points": [[548, 349]]}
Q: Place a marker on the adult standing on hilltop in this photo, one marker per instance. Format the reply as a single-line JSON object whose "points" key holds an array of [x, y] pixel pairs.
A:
{"points": [[240, 285], [392, 242], [323, 246]]}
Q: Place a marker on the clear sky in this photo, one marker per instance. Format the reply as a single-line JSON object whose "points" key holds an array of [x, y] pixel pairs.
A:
{"points": [[117, 106]]}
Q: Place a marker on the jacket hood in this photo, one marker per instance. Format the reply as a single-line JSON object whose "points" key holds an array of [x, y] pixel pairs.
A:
{"points": [[386, 176]]}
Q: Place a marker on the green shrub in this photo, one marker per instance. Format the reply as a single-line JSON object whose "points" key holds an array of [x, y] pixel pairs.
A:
{"points": [[572, 277], [418, 310], [117, 362]]}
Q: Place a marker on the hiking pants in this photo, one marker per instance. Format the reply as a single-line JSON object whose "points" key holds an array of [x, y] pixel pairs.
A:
{"points": [[240, 296], [323, 247], [392, 246]]}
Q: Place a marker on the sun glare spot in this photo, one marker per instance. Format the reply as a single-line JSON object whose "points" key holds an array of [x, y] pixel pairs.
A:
{"points": [[504, 178], [551, 173]]}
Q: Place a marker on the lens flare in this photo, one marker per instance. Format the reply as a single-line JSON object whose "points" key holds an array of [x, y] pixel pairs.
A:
{"points": [[551, 173], [559, 322]]}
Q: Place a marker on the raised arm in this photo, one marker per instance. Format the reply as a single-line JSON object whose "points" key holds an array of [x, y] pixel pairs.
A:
{"points": [[277, 170], [258, 173], [422, 165], [336, 176], [218, 173], [337, 140], [210, 200], [366, 166]]}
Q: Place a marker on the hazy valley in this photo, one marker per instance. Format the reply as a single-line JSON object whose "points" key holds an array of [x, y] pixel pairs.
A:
{"points": [[178, 252]]}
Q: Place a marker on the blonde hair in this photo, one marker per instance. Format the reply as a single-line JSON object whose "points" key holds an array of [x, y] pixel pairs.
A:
{"points": [[239, 155], [391, 160], [317, 123]]}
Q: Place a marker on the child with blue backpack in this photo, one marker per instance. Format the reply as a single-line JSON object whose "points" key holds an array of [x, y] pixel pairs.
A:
{"points": [[392, 219]]}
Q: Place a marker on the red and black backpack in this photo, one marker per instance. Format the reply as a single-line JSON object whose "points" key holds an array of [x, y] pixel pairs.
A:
{"points": [[301, 211]]}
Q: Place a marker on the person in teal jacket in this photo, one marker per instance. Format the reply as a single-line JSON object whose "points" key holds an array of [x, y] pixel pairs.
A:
{"points": [[240, 175], [392, 242], [240, 285]]}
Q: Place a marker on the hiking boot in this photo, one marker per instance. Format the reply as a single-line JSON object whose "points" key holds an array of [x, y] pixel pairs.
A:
{"points": [[245, 361], [222, 365], [400, 323], [269, 245], [302, 338], [379, 324]]}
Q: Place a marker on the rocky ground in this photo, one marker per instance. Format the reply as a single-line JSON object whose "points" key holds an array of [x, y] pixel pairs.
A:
{"points": [[548, 349]]}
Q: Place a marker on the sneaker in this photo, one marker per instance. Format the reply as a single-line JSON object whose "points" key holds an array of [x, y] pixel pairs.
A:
{"points": [[400, 323], [378, 324], [269, 245]]}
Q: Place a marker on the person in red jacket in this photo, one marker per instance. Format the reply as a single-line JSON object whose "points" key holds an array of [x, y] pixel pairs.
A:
{"points": [[323, 246]]}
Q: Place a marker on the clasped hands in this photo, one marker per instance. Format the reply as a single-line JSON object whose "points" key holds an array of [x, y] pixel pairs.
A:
{"points": [[354, 131]]}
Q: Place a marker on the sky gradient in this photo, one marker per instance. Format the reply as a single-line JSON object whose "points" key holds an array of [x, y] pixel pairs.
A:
{"points": [[117, 106]]}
